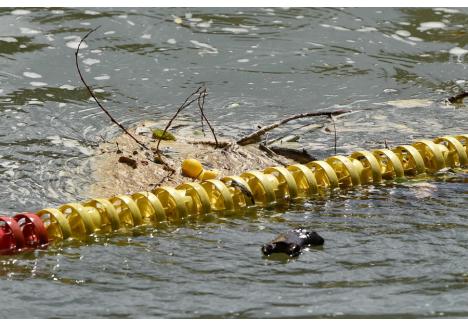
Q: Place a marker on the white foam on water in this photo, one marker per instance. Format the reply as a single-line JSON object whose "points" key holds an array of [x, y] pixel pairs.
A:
{"points": [[338, 28], [67, 87], [26, 30], [102, 77], [403, 33], [366, 29], [447, 10], [57, 12], [96, 51], [458, 52], [431, 25], [92, 12], [205, 24], [299, 17], [109, 32], [235, 30], [195, 20], [171, 41], [398, 38], [38, 84], [130, 23], [90, 61], [8, 39], [74, 45], [415, 39], [19, 12], [316, 44], [32, 102], [459, 82], [146, 36], [243, 60], [206, 47], [30, 74], [85, 24], [69, 143]]}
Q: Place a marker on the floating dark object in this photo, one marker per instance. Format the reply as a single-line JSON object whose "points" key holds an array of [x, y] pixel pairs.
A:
{"points": [[458, 99], [292, 242]]}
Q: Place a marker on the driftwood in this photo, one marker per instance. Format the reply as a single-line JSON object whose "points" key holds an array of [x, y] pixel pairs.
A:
{"points": [[277, 158], [255, 137], [298, 155]]}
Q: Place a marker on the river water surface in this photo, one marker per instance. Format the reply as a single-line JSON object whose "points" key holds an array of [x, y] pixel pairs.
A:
{"points": [[396, 250]]}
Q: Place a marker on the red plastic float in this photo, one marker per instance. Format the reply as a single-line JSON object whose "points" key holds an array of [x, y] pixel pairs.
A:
{"points": [[33, 229], [11, 237]]}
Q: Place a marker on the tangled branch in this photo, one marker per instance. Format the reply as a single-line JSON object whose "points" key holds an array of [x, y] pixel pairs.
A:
{"points": [[197, 96]]}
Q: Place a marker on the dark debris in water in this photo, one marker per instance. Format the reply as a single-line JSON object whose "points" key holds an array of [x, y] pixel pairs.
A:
{"points": [[292, 242]]}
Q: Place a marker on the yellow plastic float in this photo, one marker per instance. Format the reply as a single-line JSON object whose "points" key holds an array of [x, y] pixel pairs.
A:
{"points": [[324, 175], [252, 188], [411, 160], [371, 171]]}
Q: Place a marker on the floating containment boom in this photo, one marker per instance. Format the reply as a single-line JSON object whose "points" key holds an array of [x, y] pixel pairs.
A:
{"points": [[230, 194]]}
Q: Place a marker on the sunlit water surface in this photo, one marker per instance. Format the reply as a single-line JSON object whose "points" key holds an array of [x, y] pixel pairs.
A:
{"points": [[390, 250]]}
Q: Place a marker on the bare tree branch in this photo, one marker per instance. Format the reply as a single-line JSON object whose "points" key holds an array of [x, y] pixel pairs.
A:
{"points": [[90, 91], [186, 103], [334, 129], [201, 104]]}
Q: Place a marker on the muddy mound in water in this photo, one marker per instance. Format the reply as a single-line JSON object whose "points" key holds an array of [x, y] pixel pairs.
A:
{"points": [[137, 171]]}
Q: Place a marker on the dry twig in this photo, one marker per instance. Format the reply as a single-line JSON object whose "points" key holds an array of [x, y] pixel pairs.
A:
{"points": [[201, 104], [255, 136], [90, 91], [334, 129], [200, 99], [186, 103]]}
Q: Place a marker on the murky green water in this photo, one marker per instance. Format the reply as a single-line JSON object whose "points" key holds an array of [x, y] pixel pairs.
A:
{"points": [[393, 250]]}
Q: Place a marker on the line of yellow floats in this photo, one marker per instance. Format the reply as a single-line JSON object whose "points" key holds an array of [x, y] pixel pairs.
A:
{"points": [[268, 187]]}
